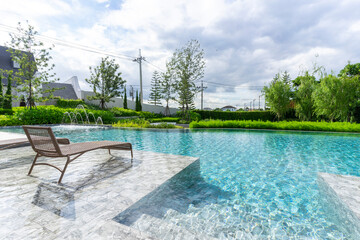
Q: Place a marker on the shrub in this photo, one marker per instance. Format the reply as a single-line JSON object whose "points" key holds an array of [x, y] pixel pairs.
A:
{"points": [[164, 119], [39, 115], [194, 116], [148, 115], [121, 112], [254, 115], [141, 123], [69, 103], [283, 125], [6, 111], [8, 120]]}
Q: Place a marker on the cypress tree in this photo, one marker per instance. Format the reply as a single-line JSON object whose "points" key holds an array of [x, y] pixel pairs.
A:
{"points": [[156, 90], [137, 102], [7, 104], [125, 100], [1, 92]]}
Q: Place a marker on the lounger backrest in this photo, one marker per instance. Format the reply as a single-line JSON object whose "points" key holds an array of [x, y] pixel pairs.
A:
{"points": [[42, 140]]}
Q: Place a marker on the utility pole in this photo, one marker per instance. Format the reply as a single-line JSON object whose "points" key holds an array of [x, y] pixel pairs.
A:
{"points": [[138, 60], [250, 105], [254, 104]]}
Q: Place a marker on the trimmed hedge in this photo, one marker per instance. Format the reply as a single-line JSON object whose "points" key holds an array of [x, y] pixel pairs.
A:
{"points": [[164, 119], [69, 103], [283, 125], [121, 112], [50, 115], [6, 111], [222, 115]]}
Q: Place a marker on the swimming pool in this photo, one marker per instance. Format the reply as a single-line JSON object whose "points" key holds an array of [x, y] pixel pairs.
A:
{"points": [[261, 183]]}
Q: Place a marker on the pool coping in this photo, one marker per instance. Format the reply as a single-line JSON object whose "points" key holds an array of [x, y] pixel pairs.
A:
{"points": [[189, 129]]}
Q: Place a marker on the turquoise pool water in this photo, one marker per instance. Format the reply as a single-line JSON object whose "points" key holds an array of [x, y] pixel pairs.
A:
{"points": [[266, 181]]}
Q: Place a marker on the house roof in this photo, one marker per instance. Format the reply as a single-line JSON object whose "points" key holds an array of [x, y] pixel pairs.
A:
{"points": [[67, 91], [228, 106], [6, 63]]}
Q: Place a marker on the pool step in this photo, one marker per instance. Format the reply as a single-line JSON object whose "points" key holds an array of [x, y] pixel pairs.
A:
{"points": [[208, 220], [162, 229]]}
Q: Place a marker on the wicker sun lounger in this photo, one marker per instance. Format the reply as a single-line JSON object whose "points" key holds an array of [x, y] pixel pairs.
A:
{"points": [[9, 143], [43, 142]]}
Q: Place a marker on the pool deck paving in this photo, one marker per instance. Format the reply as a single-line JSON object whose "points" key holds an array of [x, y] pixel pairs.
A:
{"points": [[341, 197], [96, 188]]}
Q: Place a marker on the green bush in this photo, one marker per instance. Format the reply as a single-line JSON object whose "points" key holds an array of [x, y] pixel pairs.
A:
{"points": [[53, 115], [221, 115], [148, 115], [141, 123], [164, 119], [121, 112], [39, 115], [8, 120], [194, 116], [69, 103], [283, 125], [6, 111]]}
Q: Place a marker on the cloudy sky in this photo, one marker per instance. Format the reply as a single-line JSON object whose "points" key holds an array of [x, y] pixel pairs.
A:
{"points": [[246, 42]]}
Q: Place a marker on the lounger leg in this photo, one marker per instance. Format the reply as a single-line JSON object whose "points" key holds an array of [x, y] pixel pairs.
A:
{"points": [[63, 171], [33, 164], [132, 156]]}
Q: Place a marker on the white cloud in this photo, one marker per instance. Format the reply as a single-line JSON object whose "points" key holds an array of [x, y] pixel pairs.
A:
{"points": [[246, 42]]}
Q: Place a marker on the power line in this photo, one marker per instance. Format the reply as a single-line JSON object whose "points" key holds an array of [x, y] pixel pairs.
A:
{"points": [[70, 44], [154, 65], [234, 86]]}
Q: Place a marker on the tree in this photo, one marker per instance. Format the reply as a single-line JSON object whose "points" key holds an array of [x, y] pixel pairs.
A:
{"points": [[7, 103], [35, 72], [336, 97], [155, 91], [105, 81], [188, 66], [125, 99], [167, 85], [350, 70], [278, 94], [304, 103], [1, 91], [138, 106]]}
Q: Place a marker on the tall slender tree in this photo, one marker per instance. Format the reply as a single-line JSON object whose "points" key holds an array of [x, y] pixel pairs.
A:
{"points": [[106, 81], [125, 99], [138, 106], [188, 66], [7, 103], [167, 85], [1, 91], [35, 71], [156, 91]]}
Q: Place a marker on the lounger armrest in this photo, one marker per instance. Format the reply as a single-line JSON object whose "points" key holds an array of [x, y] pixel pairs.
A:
{"points": [[63, 141]]}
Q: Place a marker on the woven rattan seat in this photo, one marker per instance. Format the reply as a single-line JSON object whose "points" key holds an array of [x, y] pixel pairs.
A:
{"points": [[9, 143], [44, 143]]}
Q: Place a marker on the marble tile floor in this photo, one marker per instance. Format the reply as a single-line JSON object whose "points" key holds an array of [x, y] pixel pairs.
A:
{"points": [[341, 199], [95, 189]]}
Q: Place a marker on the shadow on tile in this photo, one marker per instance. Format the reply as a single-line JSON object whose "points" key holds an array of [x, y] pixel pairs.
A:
{"points": [[178, 193], [55, 199]]}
